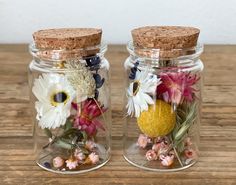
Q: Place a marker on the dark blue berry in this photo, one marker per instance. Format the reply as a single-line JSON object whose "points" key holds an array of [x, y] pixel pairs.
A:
{"points": [[47, 164], [133, 71], [131, 76], [93, 61], [98, 80]]}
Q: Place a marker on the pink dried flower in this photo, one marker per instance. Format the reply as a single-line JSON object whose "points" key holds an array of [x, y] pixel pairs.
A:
{"points": [[79, 155], [161, 148], [167, 160], [143, 140], [190, 153], [86, 120], [188, 141], [176, 86], [156, 147], [93, 157], [151, 155], [58, 162], [90, 145], [71, 163], [158, 139]]}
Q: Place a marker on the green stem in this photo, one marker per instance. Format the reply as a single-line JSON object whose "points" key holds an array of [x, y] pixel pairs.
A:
{"points": [[177, 155]]}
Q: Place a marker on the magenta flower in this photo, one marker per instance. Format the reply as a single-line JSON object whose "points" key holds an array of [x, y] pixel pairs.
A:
{"points": [[176, 86], [86, 120]]}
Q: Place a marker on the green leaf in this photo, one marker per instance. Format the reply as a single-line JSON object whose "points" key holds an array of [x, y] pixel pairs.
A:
{"points": [[63, 144], [186, 115], [85, 137], [68, 125]]}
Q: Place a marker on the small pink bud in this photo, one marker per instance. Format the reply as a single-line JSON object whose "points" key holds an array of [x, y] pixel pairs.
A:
{"points": [[79, 155], [142, 141], [58, 162], [71, 163], [151, 155], [188, 141], [90, 145], [190, 153], [93, 157], [167, 160], [156, 147]]}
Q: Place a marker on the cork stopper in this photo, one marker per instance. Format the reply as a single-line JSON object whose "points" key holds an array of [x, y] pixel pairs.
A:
{"points": [[72, 41], [172, 41]]}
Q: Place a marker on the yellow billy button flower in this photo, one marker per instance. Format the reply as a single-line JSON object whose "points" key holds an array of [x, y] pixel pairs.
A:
{"points": [[158, 120]]}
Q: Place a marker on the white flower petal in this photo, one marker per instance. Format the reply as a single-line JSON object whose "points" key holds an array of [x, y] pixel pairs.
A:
{"points": [[51, 116], [148, 99], [137, 110], [139, 102]]}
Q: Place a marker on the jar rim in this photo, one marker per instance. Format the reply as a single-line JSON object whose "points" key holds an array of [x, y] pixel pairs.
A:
{"points": [[159, 53], [63, 54]]}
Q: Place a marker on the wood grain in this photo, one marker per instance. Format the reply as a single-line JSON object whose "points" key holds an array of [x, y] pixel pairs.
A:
{"points": [[217, 164]]}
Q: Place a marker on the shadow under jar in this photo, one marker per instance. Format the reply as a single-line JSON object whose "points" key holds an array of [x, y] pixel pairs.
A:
{"points": [[163, 98], [70, 100]]}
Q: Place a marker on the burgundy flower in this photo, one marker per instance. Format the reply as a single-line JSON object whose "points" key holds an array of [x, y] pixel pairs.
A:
{"points": [[176, 86], [86, 119]]}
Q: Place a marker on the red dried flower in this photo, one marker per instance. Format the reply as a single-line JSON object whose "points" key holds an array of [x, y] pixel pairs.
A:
{"points": [[86, 120], [176, 86]]}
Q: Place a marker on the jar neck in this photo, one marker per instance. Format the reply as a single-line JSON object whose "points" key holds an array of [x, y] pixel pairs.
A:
{"points": [[47, 58], [165, 59]]}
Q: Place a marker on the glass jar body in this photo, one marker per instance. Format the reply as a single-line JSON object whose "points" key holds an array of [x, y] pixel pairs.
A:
{"points": [[70, 103], [162, 103]]}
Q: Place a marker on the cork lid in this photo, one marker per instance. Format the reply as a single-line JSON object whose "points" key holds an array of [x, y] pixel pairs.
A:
{"points": [[170, 40], [72, 41]]}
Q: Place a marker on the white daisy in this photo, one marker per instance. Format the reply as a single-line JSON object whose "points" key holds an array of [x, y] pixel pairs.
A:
{"points": [[139, 92], [54, 94]]}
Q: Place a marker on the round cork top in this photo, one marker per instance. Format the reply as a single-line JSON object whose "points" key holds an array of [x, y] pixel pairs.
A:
{"points": [[165, 37], [67, 38]]}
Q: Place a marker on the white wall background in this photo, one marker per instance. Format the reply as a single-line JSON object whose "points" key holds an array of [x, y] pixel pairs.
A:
{"points": [[20, 18]]}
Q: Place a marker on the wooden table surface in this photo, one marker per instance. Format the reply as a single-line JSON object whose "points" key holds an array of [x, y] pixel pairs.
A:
{"points": [[217, 164]]}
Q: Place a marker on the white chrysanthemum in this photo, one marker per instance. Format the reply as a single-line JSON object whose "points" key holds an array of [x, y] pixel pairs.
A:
{"points": [[139, 92], [54, 94], [81, 79]]}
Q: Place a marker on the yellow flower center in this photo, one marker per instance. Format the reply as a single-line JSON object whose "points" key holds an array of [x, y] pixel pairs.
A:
{"points": [[136, 86], [59, 97]]}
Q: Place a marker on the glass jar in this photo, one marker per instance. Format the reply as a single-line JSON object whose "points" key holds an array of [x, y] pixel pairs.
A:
{"points": [[70, 100], [163, 98]]}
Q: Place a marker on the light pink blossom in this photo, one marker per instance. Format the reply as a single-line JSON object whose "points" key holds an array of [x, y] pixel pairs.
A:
{"points": [[164, 147], [190, 153], [167, 160], [90, 145], [79, 155], [58, 162], [156, 147], [71, 163], [151, 155], [188, 141], [142, 141], [93, 157]]}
